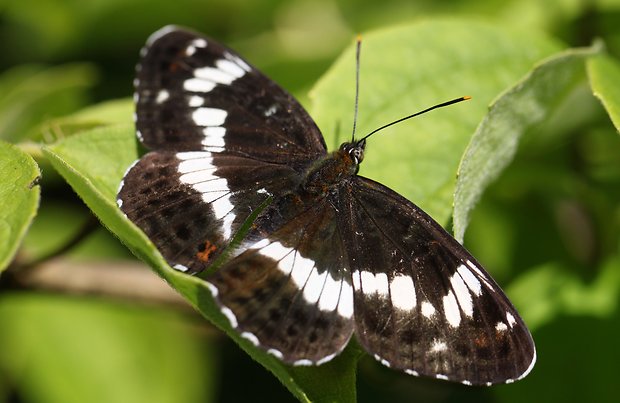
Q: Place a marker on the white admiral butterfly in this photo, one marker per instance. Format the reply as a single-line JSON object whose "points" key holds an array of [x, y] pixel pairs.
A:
{"points": [[325, 253]]}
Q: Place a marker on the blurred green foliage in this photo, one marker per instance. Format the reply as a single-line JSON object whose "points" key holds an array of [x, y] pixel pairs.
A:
{"points": [[546, 227]]}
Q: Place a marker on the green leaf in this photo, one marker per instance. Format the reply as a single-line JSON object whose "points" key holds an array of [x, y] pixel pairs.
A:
{"points": [[106, 113], [93, 163], [552, 290], [29, 94], [604, 74], [132, 354], [19, 199], [57, 223], [406, 69], [519, 108], [575, 321]]}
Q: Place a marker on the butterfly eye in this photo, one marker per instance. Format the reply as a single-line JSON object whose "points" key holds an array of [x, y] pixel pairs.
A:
{"points": [[357, 154]]}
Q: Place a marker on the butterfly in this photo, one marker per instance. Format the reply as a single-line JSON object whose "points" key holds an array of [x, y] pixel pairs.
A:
{"points": [[319, 252]]}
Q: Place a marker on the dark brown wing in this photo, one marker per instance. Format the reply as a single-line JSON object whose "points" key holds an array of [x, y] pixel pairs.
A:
{"points": [[289, 291], [193, 94], [224, 138], [423, 304]]}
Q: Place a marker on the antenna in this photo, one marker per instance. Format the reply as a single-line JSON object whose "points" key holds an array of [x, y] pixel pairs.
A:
{"points": [[441, 105], [357, 83]]}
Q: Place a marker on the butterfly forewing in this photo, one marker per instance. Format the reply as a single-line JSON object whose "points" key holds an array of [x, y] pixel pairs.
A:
{"points": [[224, 138], [331, 254], [193, 93], [422, 302]]}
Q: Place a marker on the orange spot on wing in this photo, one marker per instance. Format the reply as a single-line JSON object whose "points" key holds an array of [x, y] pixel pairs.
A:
{"points": [[481, 341], [205, 254]]}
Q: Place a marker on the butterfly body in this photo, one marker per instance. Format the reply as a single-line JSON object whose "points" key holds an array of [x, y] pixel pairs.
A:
{"points": [[333, 170], [329, 253]]}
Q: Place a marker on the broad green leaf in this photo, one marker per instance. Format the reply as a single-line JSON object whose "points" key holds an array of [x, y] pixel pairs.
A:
{"points": [[128, 353], [57, 223], [524, 105], [93, 163], [604, 73], [575, 321], [106, 113], [552, 290], [19, 199], [29, 94], [406, 69]]}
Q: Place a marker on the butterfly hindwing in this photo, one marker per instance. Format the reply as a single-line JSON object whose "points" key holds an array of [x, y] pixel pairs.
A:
{"points": [[289, 291], [422, 303], [191, 204]]}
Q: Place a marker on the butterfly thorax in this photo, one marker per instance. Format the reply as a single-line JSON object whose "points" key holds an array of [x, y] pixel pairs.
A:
{"points": [[334, 168]]}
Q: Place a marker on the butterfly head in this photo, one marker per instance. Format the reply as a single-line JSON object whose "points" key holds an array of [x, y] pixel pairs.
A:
{"points": [[355, 150], [334, 168]]}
